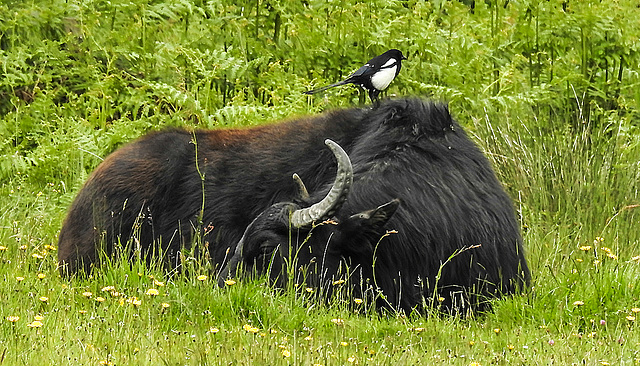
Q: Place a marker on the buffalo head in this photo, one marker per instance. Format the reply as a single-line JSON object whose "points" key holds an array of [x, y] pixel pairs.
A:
{"points": [[310, 244]]}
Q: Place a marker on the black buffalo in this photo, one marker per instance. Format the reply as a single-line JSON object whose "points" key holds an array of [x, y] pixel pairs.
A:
{"points": [[415, 214]]}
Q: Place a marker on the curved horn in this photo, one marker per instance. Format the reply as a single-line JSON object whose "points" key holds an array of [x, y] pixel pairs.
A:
{"points": [[336, 196], [302, 190]]}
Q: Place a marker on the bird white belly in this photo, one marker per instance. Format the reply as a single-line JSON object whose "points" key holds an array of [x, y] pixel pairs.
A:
{"points": [[383, 78]]}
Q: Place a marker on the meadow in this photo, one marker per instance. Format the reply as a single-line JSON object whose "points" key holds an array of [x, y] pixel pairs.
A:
{"points": [[549, 89]]}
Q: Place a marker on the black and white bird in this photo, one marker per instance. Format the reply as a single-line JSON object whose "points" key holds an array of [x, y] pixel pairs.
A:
{"points": [[374, 76]]}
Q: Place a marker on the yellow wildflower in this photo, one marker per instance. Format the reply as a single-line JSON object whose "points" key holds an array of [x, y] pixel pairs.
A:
{"points": [[578, 303], [41, 276], [202, 278], [13, 318], [35, 324], [152, 292], [229, 282], [251, 329]]}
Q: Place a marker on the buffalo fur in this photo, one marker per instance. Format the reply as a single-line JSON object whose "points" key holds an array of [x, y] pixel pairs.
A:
{"points": [[452, 219]]}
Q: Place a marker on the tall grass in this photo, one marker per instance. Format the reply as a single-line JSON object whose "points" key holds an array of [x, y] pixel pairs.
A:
{"points": [[549, 89]]}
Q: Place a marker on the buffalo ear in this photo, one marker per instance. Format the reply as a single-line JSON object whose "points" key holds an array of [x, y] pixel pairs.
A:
{"points": [[376, 218], [380, 215]]}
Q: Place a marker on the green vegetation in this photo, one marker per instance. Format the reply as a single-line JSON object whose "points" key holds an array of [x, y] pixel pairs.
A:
{"points": [[549, 89]]}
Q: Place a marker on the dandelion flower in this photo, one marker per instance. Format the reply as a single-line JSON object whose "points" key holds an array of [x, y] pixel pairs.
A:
{"points": [[35, 324], [351, 359], [612, 256], [440, 299], [165, 305], [286, 353], [250, 329], [510, 347], [344, 344], [100, 299], [308, 338], [106, 362], [82, 311], [202, 278], [108, 289], [152, 292], [13, 318], [213, 330], [19, 278], [357, 301], [338, 282], [3, 248], [496, 330], [418, 330], [37, 256], [635, 310], [578, 303], [631, 318], [229, 282], [158, 283], [309, 289], [41, 276], [87, 294], [23, 247], [636, 259], [585, 248], [38, 318], [44, 298], [337, 321], [475, 364]]}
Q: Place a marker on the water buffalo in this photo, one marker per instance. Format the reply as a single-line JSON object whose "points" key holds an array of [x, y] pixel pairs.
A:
{"points": [[415, 214]]}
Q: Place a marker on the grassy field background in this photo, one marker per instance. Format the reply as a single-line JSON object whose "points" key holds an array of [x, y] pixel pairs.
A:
{"points": [[549, 89]]}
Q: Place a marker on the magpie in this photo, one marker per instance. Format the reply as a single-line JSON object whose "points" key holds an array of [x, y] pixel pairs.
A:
{"points": [[374, 76]]}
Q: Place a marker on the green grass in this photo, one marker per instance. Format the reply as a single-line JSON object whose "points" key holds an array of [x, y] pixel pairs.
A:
{"points": [[549, 89]]}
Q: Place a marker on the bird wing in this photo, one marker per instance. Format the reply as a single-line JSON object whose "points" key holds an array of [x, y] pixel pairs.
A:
{"points": [[365, 70]]}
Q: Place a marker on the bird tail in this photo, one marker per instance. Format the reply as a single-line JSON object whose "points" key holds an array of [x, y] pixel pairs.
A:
{"points": [[318, 90]]}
